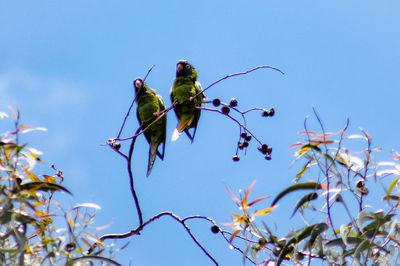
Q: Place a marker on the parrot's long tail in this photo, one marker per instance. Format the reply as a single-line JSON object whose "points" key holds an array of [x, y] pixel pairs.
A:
{"points": [[152, 157], [182, 125]]}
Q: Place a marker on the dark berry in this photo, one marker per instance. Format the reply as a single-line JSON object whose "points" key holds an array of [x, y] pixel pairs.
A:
{"points": [[225, 110], [265, 113], [271, 112], [241, 145], [116, 145], [269, 150], [245, 144], [233, 102], [263, 148], [236, 158], [215, 229], [70, 247], [360, 183], [268, 157], [243, 135], [216, 102], [248, 138]]}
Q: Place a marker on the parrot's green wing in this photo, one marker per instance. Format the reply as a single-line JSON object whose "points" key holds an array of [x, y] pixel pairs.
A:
{"points": [[161, 105], [149, 105]]}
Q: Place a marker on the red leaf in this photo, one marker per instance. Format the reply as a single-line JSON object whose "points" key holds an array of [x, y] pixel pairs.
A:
{"points": [[296, 145]]}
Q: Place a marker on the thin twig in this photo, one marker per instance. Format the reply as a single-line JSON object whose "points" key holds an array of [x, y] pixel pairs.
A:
{"points": [[129, 162], [238, 74], [130, 107], [234, 119]]}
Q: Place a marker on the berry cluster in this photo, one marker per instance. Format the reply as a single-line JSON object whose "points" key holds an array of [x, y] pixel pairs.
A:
{"points": [[245, 136]]}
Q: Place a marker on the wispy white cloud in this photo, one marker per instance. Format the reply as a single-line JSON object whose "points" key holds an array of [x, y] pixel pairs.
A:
{"points": [[23, 87]]}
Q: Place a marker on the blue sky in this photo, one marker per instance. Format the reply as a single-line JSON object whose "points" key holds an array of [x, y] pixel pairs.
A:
{"points": [[69, 67]]}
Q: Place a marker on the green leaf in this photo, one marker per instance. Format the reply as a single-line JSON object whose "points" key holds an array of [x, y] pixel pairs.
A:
{"points": [[360, 248], [44, 186], [344, 233], [317, 230], [300, 186], [339, 241], [312, 230], [305, 199]]}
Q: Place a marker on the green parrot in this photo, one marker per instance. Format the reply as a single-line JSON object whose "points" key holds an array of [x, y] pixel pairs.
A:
{"points": [[149, 105], [186, 94]]}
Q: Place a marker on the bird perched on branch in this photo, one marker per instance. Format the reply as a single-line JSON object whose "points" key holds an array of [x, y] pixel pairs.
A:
{"points": [[186, 96], [149, 109]]}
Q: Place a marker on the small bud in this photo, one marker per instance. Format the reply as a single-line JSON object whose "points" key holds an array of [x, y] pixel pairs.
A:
{"points": [[248, 138], [236, 158], [339, 198], [245, 144], [268, 157], [269, 150], [233, 102], [243, 135], [225, 110], [262, 241], [364, 191], [215, 229], [216, 102], [265, 113], [271, 112]]}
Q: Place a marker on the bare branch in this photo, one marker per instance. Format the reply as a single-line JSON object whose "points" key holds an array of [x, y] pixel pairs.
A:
{"points": [[175, 217], [238, 74]]}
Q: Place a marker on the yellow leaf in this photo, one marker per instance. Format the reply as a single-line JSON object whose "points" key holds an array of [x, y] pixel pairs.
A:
{"points": [[70, 222], [38, 203], [49, 178], [33, 177], [80, 250], [265, 211], [392, 186]]}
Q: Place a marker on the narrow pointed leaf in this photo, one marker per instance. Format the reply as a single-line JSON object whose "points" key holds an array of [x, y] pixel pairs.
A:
{"points": [[233, 236], [300, 186], [257, 200], [306, 198], [302, 171], [44, 186], [392, 186], [308, 147], [265, 211], [232, 195], [360, 248]]}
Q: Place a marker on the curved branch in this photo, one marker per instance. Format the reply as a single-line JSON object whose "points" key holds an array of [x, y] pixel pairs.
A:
{"points": [[95, 258], [238, 74], [175, 217]]}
